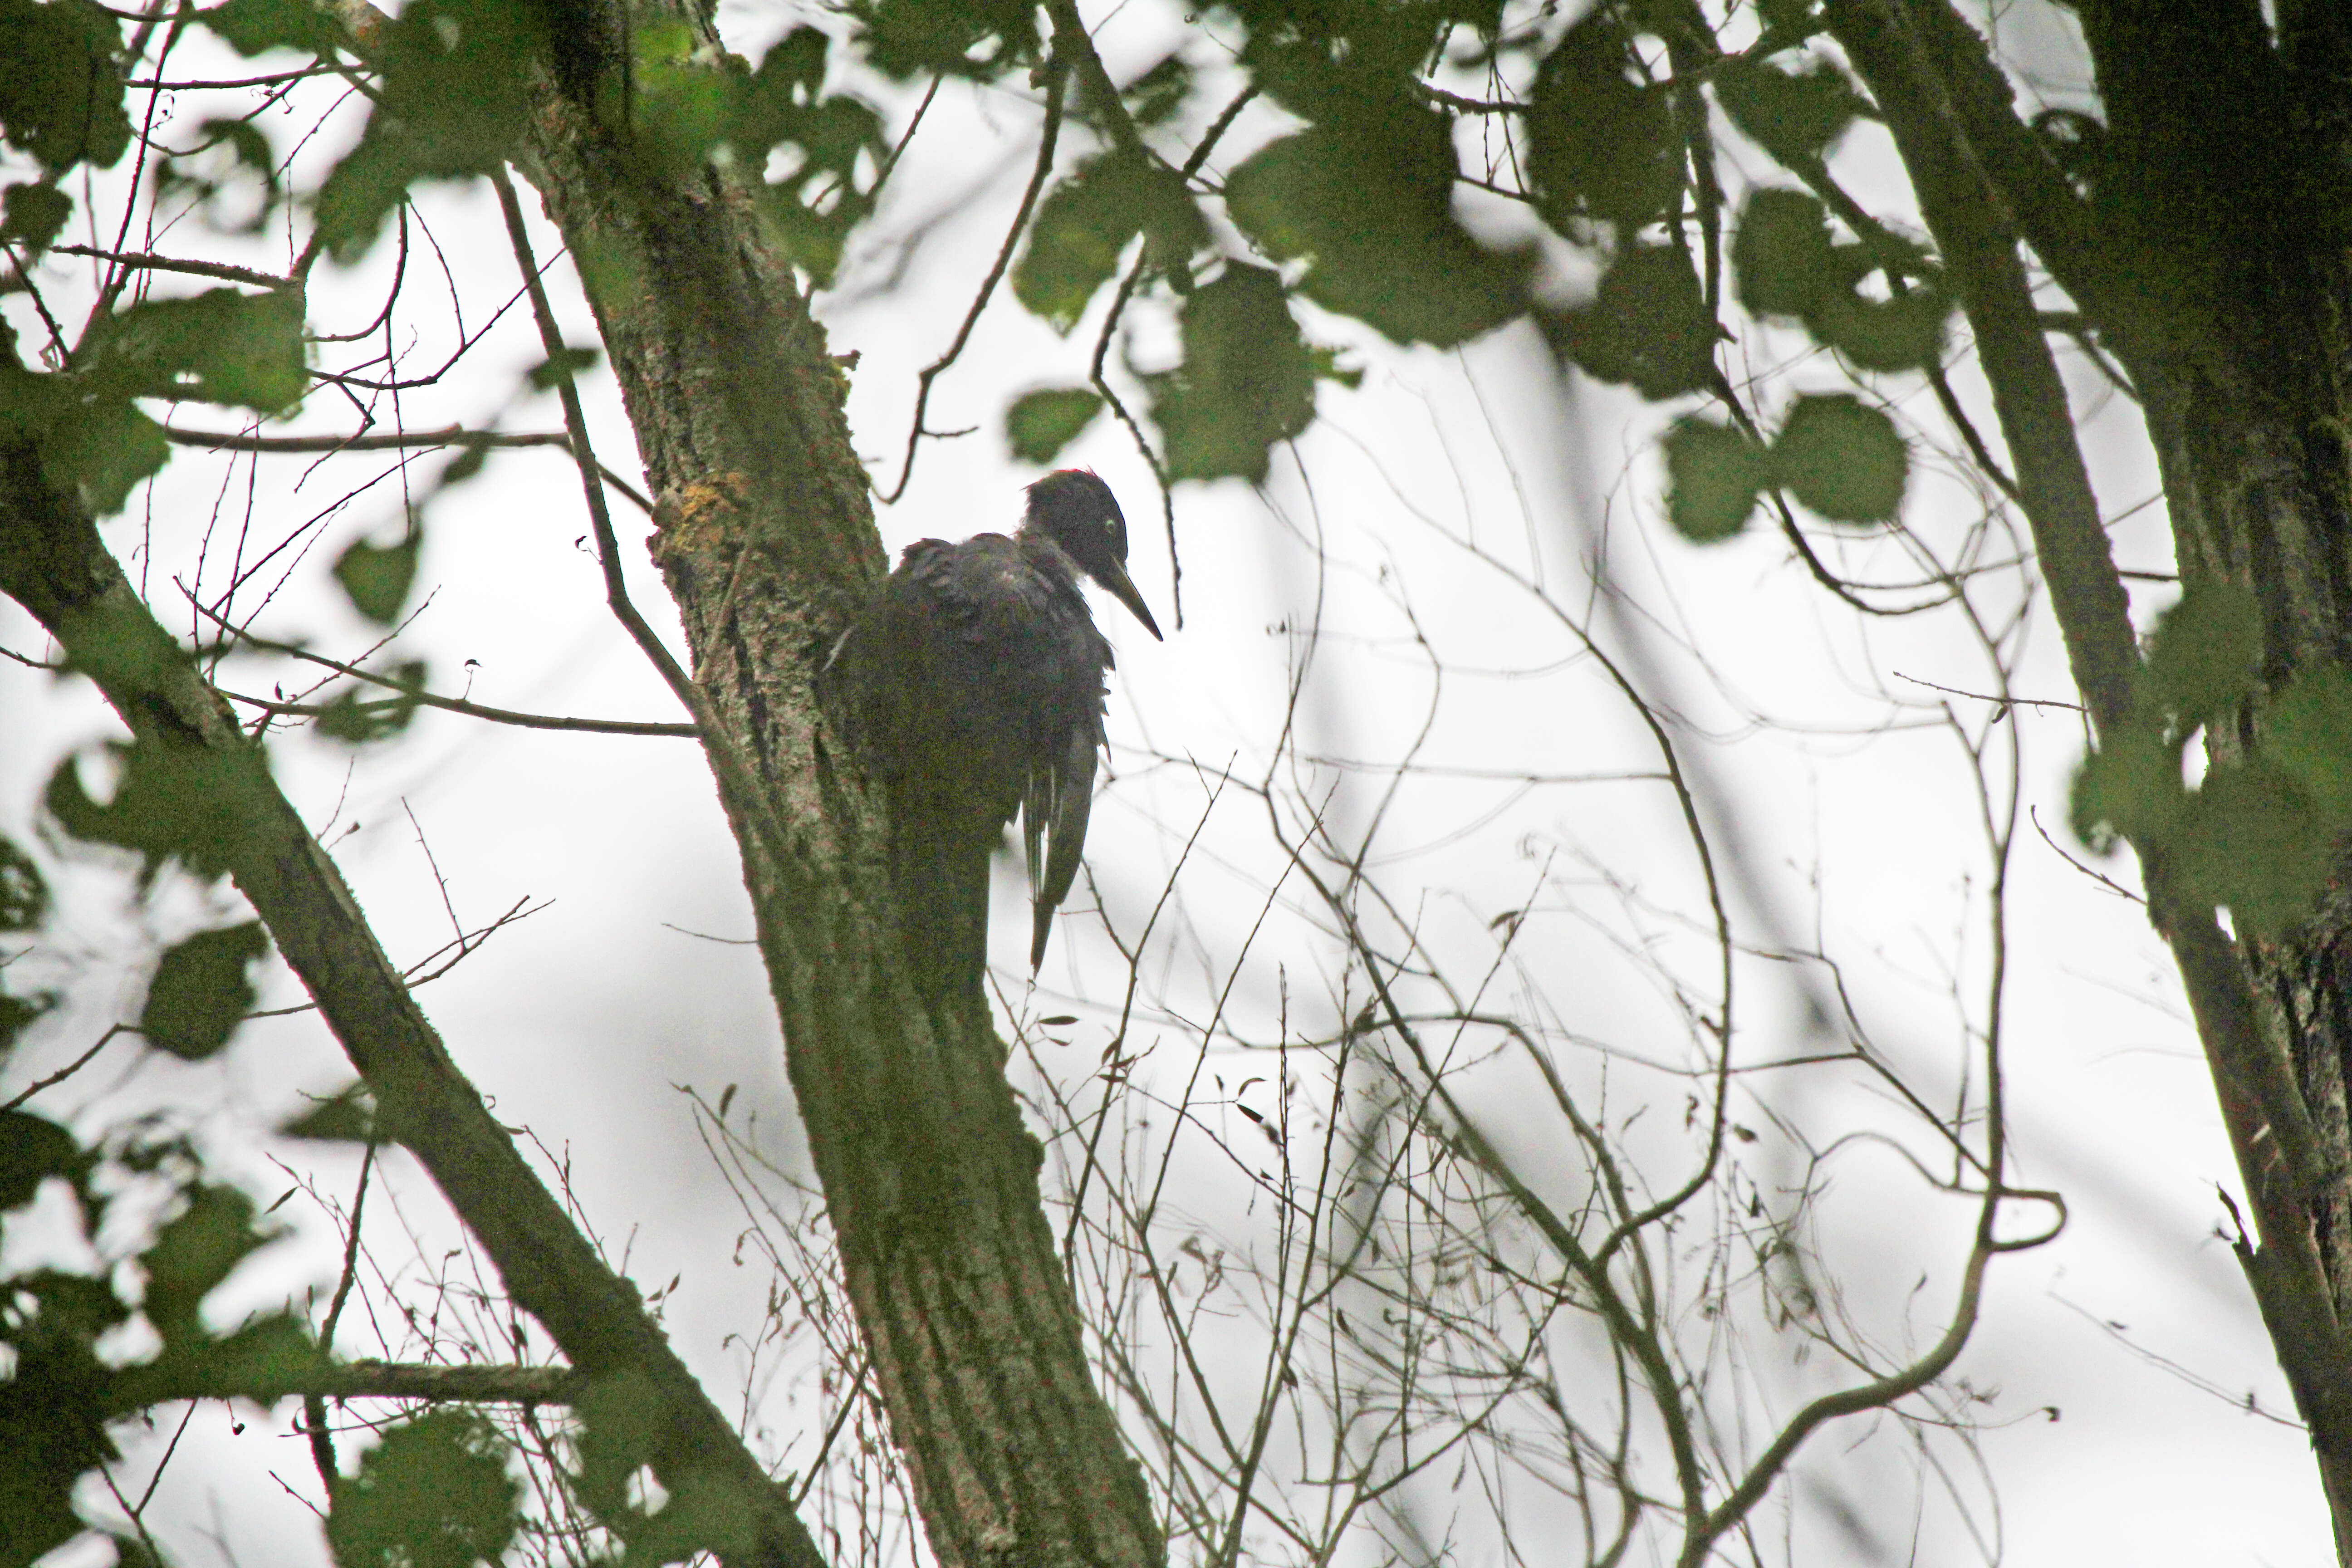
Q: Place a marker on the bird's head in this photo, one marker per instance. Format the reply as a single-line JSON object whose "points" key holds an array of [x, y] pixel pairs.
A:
{"points": [[1075, 509]]}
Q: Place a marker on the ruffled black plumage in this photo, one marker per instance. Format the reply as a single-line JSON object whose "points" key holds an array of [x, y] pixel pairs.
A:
{"points": [[977, 679]]}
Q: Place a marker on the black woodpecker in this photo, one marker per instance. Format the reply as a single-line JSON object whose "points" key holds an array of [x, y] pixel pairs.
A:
{"points": [[976, 680]]}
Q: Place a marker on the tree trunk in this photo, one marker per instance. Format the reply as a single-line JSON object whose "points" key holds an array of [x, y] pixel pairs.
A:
{"points": [[766, 538], [2208, 255]]}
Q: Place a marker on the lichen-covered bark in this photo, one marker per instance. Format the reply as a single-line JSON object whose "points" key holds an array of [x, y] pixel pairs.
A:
{"points": [[766, 540]]}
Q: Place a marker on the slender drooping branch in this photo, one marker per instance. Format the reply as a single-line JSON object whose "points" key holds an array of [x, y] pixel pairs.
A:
{"points": [[54, 563]]}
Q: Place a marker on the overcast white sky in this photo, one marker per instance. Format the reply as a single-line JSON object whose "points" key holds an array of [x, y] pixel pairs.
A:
{"points": [[1855, 816]]}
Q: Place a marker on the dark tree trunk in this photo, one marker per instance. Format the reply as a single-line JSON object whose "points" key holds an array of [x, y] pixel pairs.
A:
{"points": [[2210, 255], [766, 538]]}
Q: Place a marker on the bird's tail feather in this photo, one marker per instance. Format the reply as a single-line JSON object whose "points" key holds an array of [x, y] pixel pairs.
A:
{"points": [[1054, 810]]}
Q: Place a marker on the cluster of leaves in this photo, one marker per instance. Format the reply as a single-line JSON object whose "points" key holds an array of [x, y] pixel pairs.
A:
{"points": [[437, 1491], [1838, 457], [1354, 213], [2261, 834], [450, 82], [67, 1387], [64, 101]]}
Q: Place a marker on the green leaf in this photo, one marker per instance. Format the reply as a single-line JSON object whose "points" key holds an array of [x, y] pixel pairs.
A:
{"points": [[1602, 145], [102, 450], [1157, 97], [562, 365], [32, 1149], [201, 991], [376, 578], [1714, 474], [1082, 228], [1247, 380], [2307, 735], [1844, 460], [1904, 332], [61, 93], [219, 346], [253, 27], [253, 154], [357, 720], [1782, 260], [2130, 787], [454, 78], [1367, 200], [18, 1014], [1648, 325], [2255, 843], [24, 894], [1040, 423], [348, 1116], [34, 215], [621, 1430], [435, 1493], [270, 1353], [52, 1410], [979, 40], [2205, 656], [836, 150], [1794, 116], [168, 803], [684, 98], [195, 1253]]}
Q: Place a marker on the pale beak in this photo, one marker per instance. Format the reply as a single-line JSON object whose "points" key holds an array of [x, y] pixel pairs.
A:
{"points": [[1114, 577]]}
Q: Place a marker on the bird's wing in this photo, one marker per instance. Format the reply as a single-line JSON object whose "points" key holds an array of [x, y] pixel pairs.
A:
{"points": [[1055, 806]]}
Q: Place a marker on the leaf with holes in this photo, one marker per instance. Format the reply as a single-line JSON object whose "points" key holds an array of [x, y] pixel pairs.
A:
{"points": [[437, 1492], [1247, 380], [1601, 144]]}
